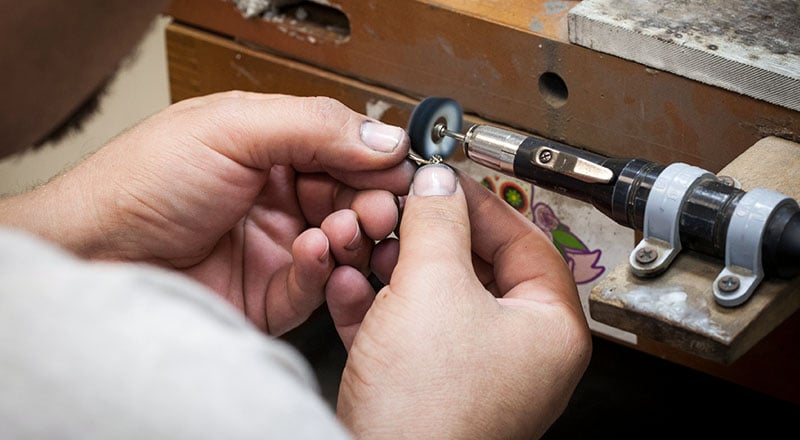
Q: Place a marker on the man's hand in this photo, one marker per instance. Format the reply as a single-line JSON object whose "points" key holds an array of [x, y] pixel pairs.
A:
{"points": [[257, 196], [479, 333]]}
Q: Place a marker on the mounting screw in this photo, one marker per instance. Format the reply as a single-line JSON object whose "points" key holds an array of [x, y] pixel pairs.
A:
{"points": [[728, 283], [727, 180], [730, 181], [646, 255], [545, 156]]}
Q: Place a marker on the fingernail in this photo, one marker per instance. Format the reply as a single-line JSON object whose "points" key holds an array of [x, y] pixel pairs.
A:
{"points": [[355, 243], [326, 253], [381, 137], [434, 180]]}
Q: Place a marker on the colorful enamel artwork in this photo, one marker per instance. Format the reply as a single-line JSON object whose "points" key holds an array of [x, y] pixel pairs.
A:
{"points": [[582, 261]]}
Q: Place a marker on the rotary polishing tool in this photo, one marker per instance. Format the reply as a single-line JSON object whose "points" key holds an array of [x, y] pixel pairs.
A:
{"points": [[756, 232]]}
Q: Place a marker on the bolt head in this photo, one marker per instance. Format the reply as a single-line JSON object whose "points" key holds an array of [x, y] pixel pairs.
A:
{"points": [[728, 283], [727, 180], [646, 255], [730, 181], [545, 156]]}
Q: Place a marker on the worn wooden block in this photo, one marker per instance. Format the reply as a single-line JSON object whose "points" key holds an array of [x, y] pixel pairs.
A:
{"points": [[678, 308], [511, 63], [749, 47]]}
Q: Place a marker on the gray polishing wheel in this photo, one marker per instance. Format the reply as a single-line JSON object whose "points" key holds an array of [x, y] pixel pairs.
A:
{"points": [[425, 116]]}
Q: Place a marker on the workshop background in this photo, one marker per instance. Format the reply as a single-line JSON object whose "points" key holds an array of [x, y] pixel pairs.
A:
{"points": [[625, 393]]}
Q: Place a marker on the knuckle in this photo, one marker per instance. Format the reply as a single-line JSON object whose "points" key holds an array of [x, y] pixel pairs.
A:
{"points": [[441, 215], [437, 220], [329, 114], [233, 95], [322, 108]]}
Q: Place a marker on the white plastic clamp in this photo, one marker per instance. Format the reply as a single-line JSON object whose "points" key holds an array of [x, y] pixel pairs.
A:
{"points": [[743, 269], [662, 242]]}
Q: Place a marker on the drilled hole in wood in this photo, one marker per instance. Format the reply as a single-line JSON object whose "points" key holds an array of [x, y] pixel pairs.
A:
{"points": [[553, 89]]}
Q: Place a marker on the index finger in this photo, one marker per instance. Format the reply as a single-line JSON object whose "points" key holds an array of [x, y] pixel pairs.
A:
{"points": [[310, 134]]}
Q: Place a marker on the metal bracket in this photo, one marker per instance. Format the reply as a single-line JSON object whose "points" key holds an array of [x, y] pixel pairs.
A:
{"points": [[661, 242], [743, 270], [571, 165]]}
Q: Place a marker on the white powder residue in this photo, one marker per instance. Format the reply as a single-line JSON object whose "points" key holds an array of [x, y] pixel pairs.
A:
{"points": [[255, 8], [376, 109], [268, 8], [672, 304]]}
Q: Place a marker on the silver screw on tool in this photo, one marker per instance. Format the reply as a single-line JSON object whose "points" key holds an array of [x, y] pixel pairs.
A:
{"points": [[545, 156], [730, 181], [727, 180], [646, 255], [728, 283]]}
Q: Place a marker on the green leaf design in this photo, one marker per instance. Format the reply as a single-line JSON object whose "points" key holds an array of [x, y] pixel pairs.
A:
{"points": [[567, 240]]}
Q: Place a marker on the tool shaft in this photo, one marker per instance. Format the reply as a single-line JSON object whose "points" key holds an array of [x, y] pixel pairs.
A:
{"points": [[619, 188]]}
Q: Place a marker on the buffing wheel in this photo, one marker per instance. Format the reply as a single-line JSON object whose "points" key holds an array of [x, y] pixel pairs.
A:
{"points": [[425, 116]]}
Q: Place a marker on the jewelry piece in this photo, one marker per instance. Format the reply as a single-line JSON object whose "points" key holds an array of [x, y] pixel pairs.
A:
{"points": [[420, 161]]}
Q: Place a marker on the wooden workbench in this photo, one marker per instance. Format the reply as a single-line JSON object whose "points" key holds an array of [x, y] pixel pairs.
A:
{"points": [[677, 309], [511, 65]]}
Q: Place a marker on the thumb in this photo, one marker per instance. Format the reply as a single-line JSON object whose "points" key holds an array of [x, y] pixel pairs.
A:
{"points": [[434, 234]]}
